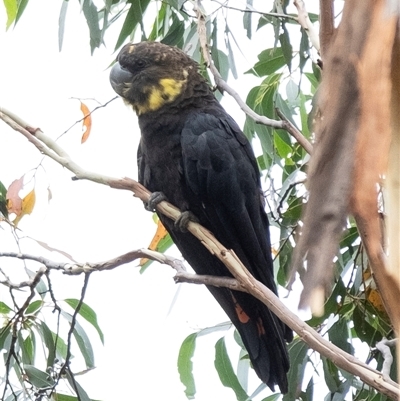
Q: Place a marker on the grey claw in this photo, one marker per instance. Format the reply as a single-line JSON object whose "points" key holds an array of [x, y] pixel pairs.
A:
{"points": [[154, 200]]}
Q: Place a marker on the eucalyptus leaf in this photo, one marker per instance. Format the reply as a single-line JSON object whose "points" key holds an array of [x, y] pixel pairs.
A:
{"points": [[37, 377], [225, 371], [4, 308], [90, 12], [87, 313], [185, 365], [82, 340]]}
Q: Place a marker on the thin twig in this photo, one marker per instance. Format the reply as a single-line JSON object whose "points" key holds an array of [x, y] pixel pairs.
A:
{"points": [[250, 9], [80, 268]]}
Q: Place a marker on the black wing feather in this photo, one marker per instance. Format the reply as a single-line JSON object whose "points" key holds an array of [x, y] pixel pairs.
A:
{"points": [[223, 189]]}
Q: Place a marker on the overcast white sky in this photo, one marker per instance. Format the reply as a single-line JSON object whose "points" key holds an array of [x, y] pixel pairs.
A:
{"points": [[94, 223]]}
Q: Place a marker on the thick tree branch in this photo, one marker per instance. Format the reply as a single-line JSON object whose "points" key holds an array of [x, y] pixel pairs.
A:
{"points": [[327, 25]]}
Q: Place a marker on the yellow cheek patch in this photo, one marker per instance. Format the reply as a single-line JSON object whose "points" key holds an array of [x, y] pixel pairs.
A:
{"points": [[168, 90]]}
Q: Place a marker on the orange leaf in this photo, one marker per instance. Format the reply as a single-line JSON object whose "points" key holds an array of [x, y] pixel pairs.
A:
{"points": [[87, 122], [28, 203], [160, 234]]}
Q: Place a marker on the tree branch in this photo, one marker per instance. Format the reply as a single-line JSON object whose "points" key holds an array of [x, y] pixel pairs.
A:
{"points": [[306, 23], [384, 347], [327, 26], [181, 276]]}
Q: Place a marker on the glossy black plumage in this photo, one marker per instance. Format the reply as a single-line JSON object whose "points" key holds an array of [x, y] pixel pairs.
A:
{"points": [[195, 153]]}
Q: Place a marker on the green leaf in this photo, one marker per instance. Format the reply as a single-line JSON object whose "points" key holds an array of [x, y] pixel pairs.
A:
{"points": [[286, 46], [221, 61], [185, 365], [298, 360], [313, 80], [163, 245], [41, 287], [293, 93], [61, 346], [91, 14], [4, 309], [247, 18], [34, 307], [11, 9], [243, 367], [133, 18], [363, 329], [281, 146], [61, 23], [272, 397], [37, 377], [27, 346], [3, 200], [173, 3], [174, 36], [81, 393], [87, 313], [82, 340], [14, 395], [231, 58], [270, 60], [21, 8], [339, 334], [304, 51], [65, 397], [225, 371], [5, 337], [159, 22], [48, 340], [310, 390], [84, 345], [283, 106], [266, 95], [331, 374], [304, 116], [313, 17]]}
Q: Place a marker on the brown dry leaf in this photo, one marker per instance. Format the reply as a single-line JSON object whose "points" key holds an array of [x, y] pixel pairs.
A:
{"points": [[52, 249], [28, 203], [375, 299], [160, 234], [87, 122], [14, 202]]}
